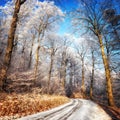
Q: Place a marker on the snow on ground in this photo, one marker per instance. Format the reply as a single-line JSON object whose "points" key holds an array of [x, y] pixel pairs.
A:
{"points": [[89, 111]]}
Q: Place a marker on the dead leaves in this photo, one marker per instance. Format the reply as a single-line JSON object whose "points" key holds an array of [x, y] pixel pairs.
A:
{"points": [[21, 105]]}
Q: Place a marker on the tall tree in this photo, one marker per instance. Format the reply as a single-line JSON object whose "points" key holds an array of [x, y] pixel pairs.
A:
{"points": [[92, 74], [81, 51], [43, 19], [93, 57], [92, 16], [31, 51], [53, 45], [10, 42], [66, 41]]}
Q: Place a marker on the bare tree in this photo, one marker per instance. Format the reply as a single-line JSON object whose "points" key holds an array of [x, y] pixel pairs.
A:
{"points": [[31, 51], [53, 46], [64, 56], [92, 16], [92, 56], [44, 22], [92, 74], [81, 51]]}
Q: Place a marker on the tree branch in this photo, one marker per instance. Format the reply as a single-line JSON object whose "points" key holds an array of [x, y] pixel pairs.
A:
{"points": [[22, 2]]}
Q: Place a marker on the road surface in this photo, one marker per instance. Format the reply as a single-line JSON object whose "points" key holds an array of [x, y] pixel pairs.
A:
{"points": [[77, 109]]}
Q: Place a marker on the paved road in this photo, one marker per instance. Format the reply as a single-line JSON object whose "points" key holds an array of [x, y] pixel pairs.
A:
{"points": [[77, 109]]}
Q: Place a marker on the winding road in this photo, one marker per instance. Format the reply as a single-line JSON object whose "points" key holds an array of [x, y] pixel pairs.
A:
{"points": [[77, 109]]}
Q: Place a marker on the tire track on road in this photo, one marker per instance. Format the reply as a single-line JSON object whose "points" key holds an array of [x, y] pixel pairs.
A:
{"points": [[49, 116], [71, 112], [55, 114]]}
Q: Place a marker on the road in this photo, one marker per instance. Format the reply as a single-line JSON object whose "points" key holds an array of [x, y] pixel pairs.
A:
{"points": [[77, 109]]}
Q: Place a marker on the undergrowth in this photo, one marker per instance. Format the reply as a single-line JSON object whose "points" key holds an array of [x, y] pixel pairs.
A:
{"points": [[25, 104]]}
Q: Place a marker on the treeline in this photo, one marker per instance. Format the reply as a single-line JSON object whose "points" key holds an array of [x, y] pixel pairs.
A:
{"points": [[29, 41]]}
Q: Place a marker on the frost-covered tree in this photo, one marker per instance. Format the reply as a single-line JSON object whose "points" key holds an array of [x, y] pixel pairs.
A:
{"points": [[91, 13], [52, 42], [43, 18], [31, 21], [81, 49], [10, 42], [66, 42]]}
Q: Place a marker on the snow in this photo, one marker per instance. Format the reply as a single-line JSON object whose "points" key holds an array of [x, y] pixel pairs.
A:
{"points": [[42, 114], [88, 110]]}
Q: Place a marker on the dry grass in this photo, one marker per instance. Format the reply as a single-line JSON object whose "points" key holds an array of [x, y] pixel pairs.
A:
{"points": [[77, 95], [26, 104]]}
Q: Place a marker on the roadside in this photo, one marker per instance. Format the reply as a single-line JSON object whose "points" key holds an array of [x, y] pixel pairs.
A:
{"points": [[113, 112], [14, 106]]}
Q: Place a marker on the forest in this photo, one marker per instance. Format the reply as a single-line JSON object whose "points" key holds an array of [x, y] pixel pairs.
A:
{"points": [[61, 49]]}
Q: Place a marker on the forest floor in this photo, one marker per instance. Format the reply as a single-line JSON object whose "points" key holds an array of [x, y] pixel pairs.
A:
{"points": [[112, 111], [23, 98], [14, 106]]}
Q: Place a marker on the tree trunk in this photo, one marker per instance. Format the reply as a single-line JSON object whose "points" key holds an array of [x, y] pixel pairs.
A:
{"points": [[23, 56], [37, 62], [15, 43], [107, 73], [92, 77], [63, 72], [50, 70], [107, 50], [30, 61], [40, 33], [10, 44], [74, 76], [71, 76], [83, 79], [63, 69], [37, 55]]}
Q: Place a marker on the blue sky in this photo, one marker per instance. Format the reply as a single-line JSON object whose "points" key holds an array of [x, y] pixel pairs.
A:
{"points": [[67, 6], [64, 28], [2, 2]]}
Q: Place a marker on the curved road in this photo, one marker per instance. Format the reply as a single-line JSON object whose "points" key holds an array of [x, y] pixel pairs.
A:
{"points": [[77, 109]]}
